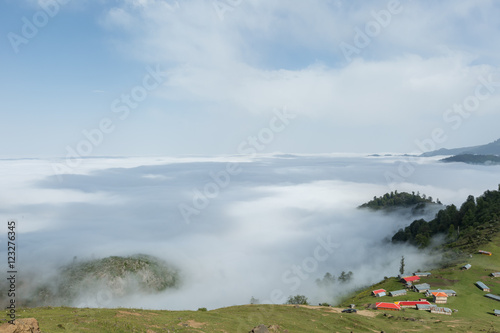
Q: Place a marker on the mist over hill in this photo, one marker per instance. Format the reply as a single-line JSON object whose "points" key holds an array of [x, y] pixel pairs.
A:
{"points": [[94, 282]]}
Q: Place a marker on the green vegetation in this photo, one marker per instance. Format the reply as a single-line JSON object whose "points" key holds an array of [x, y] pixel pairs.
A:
{"points": [[297, 299], [457, 224], [398, 200], [474, 159]]}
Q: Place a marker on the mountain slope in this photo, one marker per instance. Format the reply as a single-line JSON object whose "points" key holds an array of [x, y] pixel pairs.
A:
{"points": [[492, 148]]}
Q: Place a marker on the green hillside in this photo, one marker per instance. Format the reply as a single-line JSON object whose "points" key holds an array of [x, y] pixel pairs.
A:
{"points": [[474, 310]]}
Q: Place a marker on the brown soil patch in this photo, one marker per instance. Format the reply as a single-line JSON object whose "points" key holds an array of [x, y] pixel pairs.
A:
{"points": [[192, 323], [126, 313], [364, 313]]}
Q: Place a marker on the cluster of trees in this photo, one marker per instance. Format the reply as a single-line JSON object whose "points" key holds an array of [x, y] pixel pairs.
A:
{"points": [[452, 222], [330, 279], [395, 199], [297, 299]]}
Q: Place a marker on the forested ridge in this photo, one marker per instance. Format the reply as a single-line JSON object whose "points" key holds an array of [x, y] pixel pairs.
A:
{"points": [[397, 199], [473, 159], [454, 223]]}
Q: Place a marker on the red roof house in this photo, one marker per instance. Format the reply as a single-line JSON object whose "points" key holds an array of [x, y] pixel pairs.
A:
{"points": [[411, 278], [411, 304], [378, 291], [387, 306]]}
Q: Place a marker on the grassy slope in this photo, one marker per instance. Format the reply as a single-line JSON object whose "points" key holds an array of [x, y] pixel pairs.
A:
{"points": [[474, 313], [474, 310]]}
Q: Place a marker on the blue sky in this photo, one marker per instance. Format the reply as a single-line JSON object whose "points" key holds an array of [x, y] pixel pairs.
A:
{"points": [[228, 66]]}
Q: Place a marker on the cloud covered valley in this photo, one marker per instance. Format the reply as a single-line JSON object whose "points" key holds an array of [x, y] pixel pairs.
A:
{"points": [[268, 230]]}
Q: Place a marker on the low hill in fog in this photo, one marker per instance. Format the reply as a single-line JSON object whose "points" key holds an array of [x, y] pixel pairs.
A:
{"points": [[97, 282]]}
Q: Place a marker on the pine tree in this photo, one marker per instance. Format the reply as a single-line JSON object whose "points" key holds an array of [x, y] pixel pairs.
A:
{"points": [[402, 267]]}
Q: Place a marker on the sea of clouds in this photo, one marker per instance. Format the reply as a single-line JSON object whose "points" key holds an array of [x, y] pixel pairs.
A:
{"points": [[236, 227]]}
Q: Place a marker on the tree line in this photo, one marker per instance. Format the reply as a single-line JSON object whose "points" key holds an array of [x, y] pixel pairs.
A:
{"points": [[453, 222]]}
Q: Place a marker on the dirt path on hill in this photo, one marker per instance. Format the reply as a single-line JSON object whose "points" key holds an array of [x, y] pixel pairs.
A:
{"points": [[365, 313]]}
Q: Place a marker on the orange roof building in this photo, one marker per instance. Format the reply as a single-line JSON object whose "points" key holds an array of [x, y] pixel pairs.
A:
{"points": [[387, 306], [440, 297]]}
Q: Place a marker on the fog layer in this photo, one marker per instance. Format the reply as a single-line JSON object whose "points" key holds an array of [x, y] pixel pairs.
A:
{"points": [[266, 227]]}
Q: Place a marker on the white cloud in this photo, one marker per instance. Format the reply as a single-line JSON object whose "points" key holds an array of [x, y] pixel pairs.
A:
{"points": [[224, 62]]}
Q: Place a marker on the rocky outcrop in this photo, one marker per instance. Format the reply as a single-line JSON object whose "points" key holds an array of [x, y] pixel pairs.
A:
{"points": [[26, 325], [267, 329], [260, 329]]}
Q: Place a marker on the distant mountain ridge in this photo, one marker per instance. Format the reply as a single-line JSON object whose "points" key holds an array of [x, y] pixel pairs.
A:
{"points": [[492, 148], [473, 159]]}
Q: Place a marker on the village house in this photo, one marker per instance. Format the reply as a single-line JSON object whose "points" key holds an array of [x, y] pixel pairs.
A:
{"points": [[485, 252], [412, 279], [397, 293], [387, 306], [440, 297], [425, 307], [422, 274], [438, 310], [466, 267], [497, 313], [482, 286], [412, 304], [495, 274], [421, 288], [447, 292], [495, 297], [378, 291]]}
